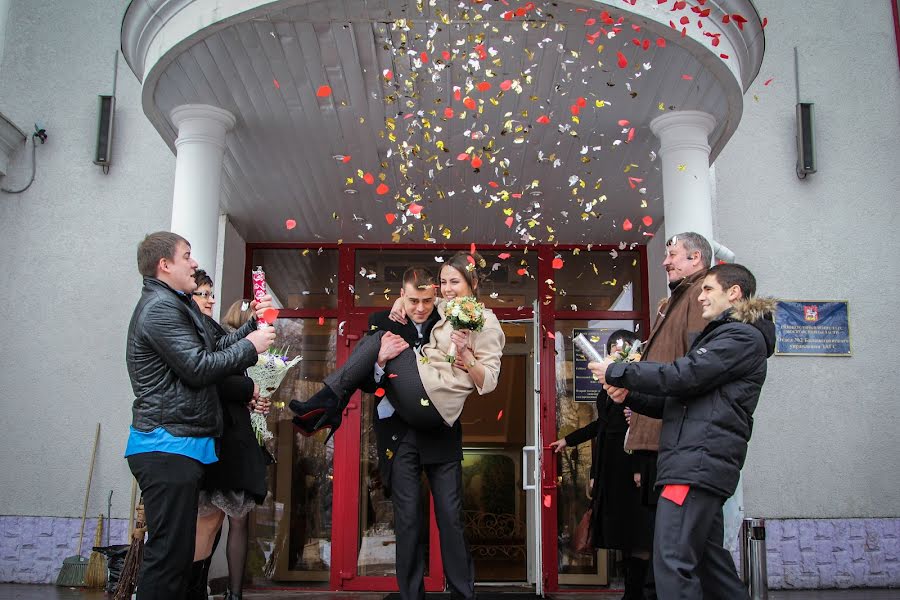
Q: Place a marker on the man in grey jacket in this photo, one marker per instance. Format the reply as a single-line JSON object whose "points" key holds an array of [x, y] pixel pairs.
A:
{"points": [[174, 364], [706, 401]]}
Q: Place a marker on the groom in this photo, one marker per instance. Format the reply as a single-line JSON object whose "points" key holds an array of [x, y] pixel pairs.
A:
{"points": [[404, 452]]}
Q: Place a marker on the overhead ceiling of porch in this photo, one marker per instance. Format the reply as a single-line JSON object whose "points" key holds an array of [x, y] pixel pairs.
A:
{"points": [[565, 181]]}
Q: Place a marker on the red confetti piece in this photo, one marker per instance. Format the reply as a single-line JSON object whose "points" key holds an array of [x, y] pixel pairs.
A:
{"points": [[624, 122], [277, 85], [768, 81], [324, 90], [509, 223], [448, 113], [482, 53], [476, 162], [503, 255], [687, 77], [346, 158], [269, 315], [388, 74], [290, 224], [389, 217], [321, 320], [648, 221], [415, 208], [765, 22], [483, 86], [382, 189], [623, 62], [368, 178], [505, 85], [633, 181], [543, 119], [581, 102], [457, 94], [463, 156], [469, 103], [661, 42], [493, 184], [445, 55], [627, 225], [575, 109], [472, 251], [379, 393], [646, 44], [557, 263], [630, 135], [522, 272], [684, 20], [551, 335], [499, 415], [424, 57], [392, 375]]}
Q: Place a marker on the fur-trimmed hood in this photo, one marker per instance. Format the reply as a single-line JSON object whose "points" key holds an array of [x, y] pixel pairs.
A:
{"points": [[754, 309], [757, 312]]}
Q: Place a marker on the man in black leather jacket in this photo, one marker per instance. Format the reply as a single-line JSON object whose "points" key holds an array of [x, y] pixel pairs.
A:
{"points": [[707, 413], [174, 364]]}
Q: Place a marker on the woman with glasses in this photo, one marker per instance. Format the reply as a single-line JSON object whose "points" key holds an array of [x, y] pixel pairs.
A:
{"points": [[236, 483]]}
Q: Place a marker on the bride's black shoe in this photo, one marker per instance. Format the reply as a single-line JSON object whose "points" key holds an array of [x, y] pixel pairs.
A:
{"points": [[322, 410]]}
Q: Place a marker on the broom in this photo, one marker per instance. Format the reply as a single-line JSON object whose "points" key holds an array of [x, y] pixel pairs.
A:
{"points": [[95, 576], [73, 568], [132, 566]]}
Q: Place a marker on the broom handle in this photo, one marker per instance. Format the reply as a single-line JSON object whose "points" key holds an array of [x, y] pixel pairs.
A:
{"points": [[87, 494], [133, 507]]}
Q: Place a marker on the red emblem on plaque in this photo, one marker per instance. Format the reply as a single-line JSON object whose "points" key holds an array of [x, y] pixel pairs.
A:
{"points": [[811, 313]]}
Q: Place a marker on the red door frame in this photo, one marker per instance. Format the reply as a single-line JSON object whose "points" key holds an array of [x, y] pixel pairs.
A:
{"points": [[345, 538]]}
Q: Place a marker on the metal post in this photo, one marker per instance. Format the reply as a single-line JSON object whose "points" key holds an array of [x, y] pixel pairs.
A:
{"points": [[753, 558]]}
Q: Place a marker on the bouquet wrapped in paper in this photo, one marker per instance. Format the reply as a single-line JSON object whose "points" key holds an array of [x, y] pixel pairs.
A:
{"points": [[626, 352], [464, 312], [267, 374]]}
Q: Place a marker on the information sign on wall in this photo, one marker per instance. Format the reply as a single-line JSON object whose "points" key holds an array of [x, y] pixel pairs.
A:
{"points": [[812, 328], [586, 387]]}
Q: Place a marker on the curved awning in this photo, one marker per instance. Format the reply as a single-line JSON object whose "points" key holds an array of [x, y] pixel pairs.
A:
{"points": [[553, 99]]}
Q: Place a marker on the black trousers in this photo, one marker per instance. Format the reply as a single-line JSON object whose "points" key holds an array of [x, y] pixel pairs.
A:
{"points": [[688, 553], [410, 518], [401, 382], [170, 484]]}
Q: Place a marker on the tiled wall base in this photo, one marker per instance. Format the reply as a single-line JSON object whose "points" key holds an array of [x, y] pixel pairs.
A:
{"points": [[802, 553], [832, 553], [32, 549]]}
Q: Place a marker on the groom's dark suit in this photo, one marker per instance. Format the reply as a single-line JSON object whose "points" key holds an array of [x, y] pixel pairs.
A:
{"points": [[403, 453]]}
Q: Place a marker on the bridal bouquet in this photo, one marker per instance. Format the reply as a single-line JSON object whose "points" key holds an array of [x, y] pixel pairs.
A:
{"points": [[627, 352], [267, 373], [464, 312]]}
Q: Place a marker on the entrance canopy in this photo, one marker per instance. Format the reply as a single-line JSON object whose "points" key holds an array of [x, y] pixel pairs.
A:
{"points": [[447, 121]]}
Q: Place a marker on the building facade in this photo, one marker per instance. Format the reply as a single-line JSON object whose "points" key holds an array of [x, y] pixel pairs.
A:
{"points": [[225, 131]]}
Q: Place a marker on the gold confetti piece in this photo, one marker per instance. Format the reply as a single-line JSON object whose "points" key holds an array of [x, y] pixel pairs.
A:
{"points": [[682, 167]]}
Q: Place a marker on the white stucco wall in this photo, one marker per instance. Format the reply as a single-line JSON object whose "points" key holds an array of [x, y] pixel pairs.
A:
{"points": [[824, 443], [68, 270]]}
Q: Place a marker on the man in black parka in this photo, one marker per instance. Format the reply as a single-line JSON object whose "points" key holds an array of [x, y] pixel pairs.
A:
{"points": [[707, 413]]}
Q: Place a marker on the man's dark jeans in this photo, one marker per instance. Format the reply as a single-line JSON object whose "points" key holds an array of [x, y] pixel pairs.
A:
{"points": [[170, 484]]}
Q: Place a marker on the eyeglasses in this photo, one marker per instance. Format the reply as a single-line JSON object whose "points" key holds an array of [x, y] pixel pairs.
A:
{"points": [[206, 295]]}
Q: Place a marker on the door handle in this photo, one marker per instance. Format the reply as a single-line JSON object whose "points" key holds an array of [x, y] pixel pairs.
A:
{"points": [[525, 484]]}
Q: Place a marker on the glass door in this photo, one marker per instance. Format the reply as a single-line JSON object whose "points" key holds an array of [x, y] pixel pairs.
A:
{"points": [[531, 470], [365, 525]]}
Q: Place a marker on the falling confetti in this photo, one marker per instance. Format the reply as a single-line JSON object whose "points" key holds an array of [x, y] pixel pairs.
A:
{"points": [[323, 91], [290, 223]]}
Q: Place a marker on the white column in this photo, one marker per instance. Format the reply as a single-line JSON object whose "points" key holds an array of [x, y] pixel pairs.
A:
{"points": [[199, 148], [684, 151]]}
